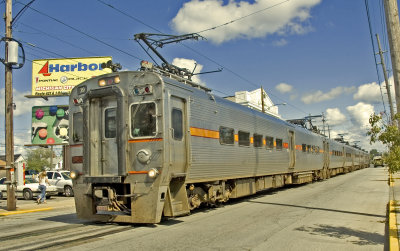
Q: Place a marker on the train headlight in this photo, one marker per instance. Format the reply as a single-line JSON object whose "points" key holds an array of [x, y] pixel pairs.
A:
{"points": [[153, 173], [74, 175]]}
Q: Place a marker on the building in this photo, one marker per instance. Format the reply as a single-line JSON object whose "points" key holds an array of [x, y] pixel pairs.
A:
{"points": [[253, 100]]}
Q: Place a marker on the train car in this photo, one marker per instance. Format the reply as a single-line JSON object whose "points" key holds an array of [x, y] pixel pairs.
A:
{"points": [[147, 144]]}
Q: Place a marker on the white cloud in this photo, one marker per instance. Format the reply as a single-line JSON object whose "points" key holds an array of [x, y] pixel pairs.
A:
{"points": [[252, 21], [334, 116], [190, 64], [359, 114], [24, 105], [319, 96], [284, 88], [281, 42], [369, 93]]}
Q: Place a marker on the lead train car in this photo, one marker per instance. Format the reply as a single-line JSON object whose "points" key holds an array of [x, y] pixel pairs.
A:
{"points": [[147, 144]]}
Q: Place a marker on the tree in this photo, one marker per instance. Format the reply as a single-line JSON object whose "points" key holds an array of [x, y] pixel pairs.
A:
{"points": [[38, 159], [389, 135], [373, 153]]}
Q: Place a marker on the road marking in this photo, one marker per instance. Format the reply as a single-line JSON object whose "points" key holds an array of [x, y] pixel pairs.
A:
{"points": [[25, 211]]}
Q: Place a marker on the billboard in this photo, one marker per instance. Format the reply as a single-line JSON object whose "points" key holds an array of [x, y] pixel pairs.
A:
{"points": [[50, 124], [57, 77]]}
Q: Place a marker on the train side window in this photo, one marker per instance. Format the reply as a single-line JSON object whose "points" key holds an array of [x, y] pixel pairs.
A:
{"points": [[110, 122], [258, 140], [269, 142], [143, 120], [226, 135], [244, 138], [278, 144], [304, 147], [77, 127], [176, 122]]}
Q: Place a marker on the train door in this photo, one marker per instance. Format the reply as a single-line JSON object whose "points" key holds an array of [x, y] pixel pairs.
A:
{"points": [[178, 154], [292, 151], [326, 154], [103, 136]]}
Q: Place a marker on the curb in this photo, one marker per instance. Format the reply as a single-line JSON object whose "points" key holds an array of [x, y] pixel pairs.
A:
{"points": [[26, 211], [393, 231], [393, 238]]}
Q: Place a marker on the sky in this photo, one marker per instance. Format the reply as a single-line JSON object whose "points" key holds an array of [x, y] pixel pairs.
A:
{"points": [[316, 56]]}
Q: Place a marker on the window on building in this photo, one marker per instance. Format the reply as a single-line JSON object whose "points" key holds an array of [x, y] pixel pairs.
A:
{"points": [[244, 138]]}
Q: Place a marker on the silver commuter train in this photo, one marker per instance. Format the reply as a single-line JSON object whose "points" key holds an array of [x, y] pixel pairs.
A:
{"points": [[146, 144]]}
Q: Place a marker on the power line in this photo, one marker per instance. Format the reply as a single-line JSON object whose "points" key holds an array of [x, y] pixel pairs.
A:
{"points": [[374, 52], [243, 17], [208, 58], [86, 34]]}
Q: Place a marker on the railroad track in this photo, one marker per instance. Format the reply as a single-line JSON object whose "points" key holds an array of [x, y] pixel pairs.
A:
{"points": [[59, 237]]}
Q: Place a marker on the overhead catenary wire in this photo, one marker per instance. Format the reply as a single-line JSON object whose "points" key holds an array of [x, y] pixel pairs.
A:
{"points": [[85, 34], [207, 57]]}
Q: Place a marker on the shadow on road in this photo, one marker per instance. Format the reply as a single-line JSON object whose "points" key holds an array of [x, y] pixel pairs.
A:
{"points": [[319, 208], [357, 237]]}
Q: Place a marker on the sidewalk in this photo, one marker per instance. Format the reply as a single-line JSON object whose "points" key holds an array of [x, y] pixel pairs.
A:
{"points": [[394, 212], [29, 206]]}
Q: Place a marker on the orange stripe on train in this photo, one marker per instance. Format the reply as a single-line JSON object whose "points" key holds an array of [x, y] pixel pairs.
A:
{"points": [[199, 132]]}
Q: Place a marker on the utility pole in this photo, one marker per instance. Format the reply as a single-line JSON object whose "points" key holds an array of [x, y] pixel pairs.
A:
{"points": [[386, 79], [11, 201], [393, 28]]}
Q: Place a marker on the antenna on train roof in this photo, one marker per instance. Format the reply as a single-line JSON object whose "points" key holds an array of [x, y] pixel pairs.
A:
{"points": [[159, 40]]}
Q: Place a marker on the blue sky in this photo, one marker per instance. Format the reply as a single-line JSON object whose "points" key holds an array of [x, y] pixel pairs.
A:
{"points": [[314, 55]]}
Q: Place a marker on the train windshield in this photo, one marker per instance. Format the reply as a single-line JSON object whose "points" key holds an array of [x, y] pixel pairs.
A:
{"points": [[143, 120]]}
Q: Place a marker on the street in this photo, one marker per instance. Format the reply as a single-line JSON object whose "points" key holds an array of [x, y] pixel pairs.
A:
{"points": [[346, 212]]}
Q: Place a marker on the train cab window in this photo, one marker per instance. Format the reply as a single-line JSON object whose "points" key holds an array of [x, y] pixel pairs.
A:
{"points": [[143, 120], [278, 144], [226, 135], [258, 140], [176, 122], [110, 123], [77, 127], [269, 142], [244, 138]]}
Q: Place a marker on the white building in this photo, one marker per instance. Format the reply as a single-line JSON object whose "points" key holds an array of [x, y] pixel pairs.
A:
{"points": [[253, 100]]}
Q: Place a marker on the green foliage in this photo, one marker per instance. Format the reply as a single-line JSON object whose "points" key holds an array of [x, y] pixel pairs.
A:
{"points": [[38, 159], [389, 135], [373, 153]]}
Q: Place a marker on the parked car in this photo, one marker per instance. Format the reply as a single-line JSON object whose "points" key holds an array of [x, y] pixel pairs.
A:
{"points": [[377, 161], [28, 191], [62, 180], [30, 173]]}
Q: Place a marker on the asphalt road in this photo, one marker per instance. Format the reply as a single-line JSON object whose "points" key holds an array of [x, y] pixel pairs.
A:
{"points": [[347, 212]]}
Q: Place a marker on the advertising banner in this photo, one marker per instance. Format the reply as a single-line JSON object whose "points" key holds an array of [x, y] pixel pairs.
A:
{"points": [[57, 77], [50, 124]]}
